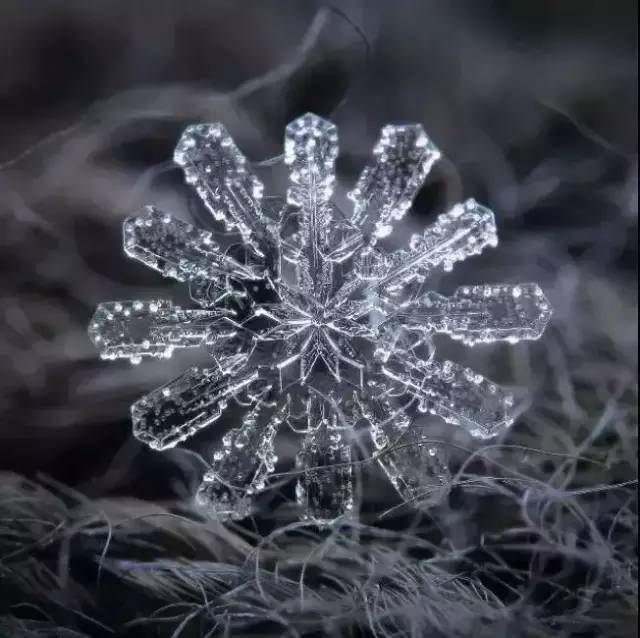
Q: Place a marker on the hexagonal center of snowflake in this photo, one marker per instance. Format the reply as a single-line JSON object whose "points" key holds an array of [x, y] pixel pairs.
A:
{"points": [[303, 334]]}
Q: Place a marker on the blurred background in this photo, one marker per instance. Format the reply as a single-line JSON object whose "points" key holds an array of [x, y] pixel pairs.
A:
{"points": [[533, 104]]}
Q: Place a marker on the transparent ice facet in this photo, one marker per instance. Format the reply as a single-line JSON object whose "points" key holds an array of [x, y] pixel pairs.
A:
{"points": [[416, 466], [305, 316], [455, 393], [219, 172], [324, 490], [481, 314], [241, 467], [172, 413], [466, 230], [403, 157], [177, 249], [311, 147], [152, 328]]}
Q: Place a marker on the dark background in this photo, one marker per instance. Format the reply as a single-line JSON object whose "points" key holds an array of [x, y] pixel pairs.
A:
{"points": [[533, 103]]}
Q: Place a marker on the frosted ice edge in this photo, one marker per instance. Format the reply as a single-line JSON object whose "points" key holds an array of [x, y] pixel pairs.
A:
{"points": [[310, 151]]}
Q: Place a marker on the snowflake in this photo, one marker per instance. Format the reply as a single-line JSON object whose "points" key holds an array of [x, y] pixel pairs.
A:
{"points": [[310, 323]]}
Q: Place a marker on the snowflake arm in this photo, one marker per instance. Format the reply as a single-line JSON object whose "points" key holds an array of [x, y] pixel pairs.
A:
{"points": [[456, 394], [481, 314], [194, 400], [178, 250], [464, 231], [324, 490], [403, 157], [416, 467], [154, 328], [311, 148], [244, 463], [217, 169]]}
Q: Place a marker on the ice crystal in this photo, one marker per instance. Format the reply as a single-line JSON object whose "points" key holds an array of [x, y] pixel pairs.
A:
{"points": [[311, 324]]}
